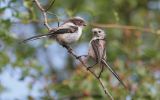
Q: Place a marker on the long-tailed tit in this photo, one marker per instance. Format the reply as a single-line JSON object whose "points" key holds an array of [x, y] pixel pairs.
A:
{"points": [[97, 51], [69, 32]]}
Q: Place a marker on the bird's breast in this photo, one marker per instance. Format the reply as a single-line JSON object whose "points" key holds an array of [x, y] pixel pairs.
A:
{"points": [[69, 37]]}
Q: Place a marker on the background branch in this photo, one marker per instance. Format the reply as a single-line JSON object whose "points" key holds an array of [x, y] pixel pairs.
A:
{"points": [[109, 26], [123, 27]]}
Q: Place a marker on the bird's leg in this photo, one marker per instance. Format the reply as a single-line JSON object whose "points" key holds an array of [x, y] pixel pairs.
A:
{"points": [[67, 47], [82, 56], [101, 70], [92, 66]]}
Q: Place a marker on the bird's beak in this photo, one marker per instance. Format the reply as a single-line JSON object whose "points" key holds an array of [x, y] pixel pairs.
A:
{"points": [[84, 24], [95, 32]]}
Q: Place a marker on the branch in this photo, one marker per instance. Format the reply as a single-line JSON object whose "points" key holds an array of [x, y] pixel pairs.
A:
{"points": [[44, 14], [70, 51], [123, 27]]}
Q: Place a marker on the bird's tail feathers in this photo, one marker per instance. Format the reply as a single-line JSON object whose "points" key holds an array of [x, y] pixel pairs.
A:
{"points": [[113, 72], [37, 37]]}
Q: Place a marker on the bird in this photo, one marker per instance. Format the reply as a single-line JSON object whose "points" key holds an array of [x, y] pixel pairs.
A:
{"points": [[68, 32], [97, 51]]}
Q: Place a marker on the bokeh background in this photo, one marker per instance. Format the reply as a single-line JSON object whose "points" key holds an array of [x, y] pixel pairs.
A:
{"points": [[43, 70]]}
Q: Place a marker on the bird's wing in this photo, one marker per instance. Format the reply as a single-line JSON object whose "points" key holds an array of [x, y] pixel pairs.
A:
{"points": [[103, 48], [62, 30], [96, 49], [114, 73], [53, 32], [65, 28]]}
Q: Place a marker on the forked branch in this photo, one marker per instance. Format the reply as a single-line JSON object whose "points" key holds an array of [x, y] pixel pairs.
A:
{"points": [[44, 14]]}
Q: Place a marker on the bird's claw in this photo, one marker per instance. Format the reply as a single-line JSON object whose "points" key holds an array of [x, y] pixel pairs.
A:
{"points": [[78, 57], [85, 55], [70, 50], [89, 68]]}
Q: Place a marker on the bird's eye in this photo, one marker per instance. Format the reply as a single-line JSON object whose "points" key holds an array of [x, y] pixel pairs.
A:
{"points": [[99, 31], [95, 32]]}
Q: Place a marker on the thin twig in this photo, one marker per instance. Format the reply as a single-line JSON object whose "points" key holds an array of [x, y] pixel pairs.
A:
{"points": [[70, 51], [50, 5], [44, 14], [56, 17]]}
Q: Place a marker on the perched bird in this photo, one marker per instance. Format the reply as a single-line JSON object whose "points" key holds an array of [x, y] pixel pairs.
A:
{"points": [[97, 51], [69, 32]]}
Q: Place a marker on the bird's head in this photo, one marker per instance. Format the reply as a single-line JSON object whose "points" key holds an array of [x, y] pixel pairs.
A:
{"points": [[97, 32], [78, 21]]}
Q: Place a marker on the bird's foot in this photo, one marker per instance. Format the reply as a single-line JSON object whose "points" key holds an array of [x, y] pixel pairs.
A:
{"points": [[88, 68], [78, 57], [70, 50], [67, 47]]}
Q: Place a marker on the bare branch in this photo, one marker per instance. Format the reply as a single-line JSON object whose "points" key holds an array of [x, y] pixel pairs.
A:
{"points": [[44, 14], [70, 51]]}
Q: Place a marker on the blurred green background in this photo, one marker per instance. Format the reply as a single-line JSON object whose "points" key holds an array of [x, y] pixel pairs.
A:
{"points": [[43, 70]]}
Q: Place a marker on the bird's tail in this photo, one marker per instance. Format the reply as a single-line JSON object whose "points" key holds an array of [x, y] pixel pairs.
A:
{"points": [[37, 37], [113, 72]]}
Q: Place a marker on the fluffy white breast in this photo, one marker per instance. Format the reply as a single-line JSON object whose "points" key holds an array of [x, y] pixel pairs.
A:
{"points": [[72, 37], [69, 37]]}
